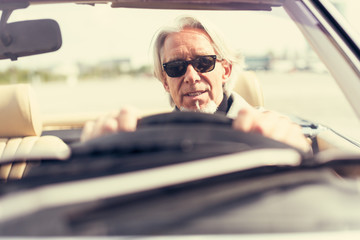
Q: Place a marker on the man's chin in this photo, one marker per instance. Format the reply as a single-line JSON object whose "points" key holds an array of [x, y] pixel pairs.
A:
{"points": [[211, 107]]}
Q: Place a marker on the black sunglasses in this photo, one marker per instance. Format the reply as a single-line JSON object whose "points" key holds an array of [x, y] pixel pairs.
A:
{"points": [[201, 64]]}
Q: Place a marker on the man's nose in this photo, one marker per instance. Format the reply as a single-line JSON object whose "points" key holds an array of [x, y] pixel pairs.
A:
{"points": [[191, 75]]}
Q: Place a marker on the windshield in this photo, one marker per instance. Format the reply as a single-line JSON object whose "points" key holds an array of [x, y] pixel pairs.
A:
{"points": [[106, 63]]}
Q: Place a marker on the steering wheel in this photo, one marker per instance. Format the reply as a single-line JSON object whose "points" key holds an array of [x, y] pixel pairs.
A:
{"points": [[175, 118], [160, 140], [200, 134]]}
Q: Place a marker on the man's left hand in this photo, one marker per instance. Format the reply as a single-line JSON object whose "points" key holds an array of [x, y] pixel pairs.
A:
{"points": [[272, 125]]}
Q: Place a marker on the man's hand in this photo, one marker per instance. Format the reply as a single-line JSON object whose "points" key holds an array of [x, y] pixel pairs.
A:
{"points": [[272, 125], [269, 124], [124, 120]]}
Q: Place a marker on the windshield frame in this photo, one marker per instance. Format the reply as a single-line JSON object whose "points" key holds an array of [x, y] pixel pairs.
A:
{"points": [[330, 45]]}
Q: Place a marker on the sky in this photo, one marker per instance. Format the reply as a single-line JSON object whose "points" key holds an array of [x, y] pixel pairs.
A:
{"points": [[102, 33]]}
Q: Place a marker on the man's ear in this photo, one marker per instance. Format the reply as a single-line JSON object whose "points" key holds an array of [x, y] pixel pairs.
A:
{"points": [[227, 71], [165, 84]]}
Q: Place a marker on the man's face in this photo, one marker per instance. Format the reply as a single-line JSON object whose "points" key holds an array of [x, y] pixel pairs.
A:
{"points": [[194, 90]]}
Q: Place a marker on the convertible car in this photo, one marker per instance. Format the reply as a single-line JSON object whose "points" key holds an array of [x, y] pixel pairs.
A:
{"points": [[181, 174]]}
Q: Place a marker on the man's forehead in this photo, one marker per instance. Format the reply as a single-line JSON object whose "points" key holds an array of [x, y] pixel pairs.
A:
{"points": [[187, 43]]}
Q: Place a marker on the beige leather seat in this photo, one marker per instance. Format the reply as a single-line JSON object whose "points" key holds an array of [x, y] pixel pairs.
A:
{"points": [[20, 132], [248, 86]]}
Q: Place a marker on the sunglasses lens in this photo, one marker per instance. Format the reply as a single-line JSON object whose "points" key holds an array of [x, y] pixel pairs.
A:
{"points": [[204, 64], [201, 64], [175, 69]]}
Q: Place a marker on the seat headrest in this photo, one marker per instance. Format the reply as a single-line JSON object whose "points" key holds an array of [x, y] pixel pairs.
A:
{"points": [[248, 86], [19, 111]]}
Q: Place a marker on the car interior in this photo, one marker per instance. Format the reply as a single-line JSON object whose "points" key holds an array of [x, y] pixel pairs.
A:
{"points": [[26, 138], [180, 174], [20, 132], [27, 135]]}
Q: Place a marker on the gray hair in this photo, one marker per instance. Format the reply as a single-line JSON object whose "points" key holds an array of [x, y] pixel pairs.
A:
{"points": [[222, 50]]}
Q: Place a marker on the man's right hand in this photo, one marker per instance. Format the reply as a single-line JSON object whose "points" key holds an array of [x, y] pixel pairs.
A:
{"points": [[124, 120]]}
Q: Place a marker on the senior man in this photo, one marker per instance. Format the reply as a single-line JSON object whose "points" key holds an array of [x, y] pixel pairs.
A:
{"points": [[195, 67]]}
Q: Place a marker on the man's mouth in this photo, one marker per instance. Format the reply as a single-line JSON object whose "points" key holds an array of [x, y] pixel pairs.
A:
{"points": [[194, 94]]}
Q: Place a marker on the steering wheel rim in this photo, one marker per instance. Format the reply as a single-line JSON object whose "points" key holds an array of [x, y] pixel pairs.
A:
{"points": [[173, 130], [178, 117]]}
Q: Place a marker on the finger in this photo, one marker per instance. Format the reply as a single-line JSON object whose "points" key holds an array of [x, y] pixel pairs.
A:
{"points": [[297, 139], [97, 129], [127, 119], [87, 131], [282, 129], [273, 124], [244, 120], [109, 125]]}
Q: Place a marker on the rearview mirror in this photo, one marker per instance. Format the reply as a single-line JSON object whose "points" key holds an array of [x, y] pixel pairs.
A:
{"points": [[26, 38]]}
